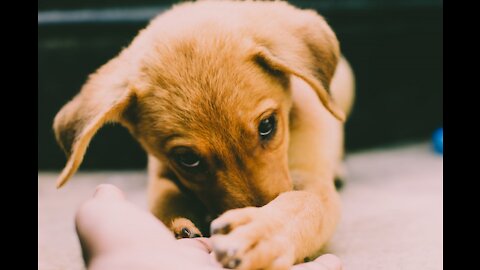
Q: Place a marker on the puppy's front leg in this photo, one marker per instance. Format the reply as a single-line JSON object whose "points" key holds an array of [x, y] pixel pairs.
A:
{"points": [[288, 230], [174, 209], [181, 213]]}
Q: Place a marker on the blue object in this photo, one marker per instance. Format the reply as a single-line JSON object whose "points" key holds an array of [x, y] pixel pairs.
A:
{"points": [[437, 140]]}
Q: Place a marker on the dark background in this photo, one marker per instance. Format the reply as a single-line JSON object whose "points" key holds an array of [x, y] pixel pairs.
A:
{"points": [[395, 48]]}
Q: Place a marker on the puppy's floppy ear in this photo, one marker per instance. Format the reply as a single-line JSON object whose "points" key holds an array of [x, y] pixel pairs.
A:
{"points": [[311, 52], [103, 98]]}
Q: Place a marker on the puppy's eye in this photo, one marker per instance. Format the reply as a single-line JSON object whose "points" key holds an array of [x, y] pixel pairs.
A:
{"points": [[187, 158], [266, 128]]}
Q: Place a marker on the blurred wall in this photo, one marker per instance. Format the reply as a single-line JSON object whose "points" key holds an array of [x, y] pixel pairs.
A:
{"points": [[395, 48]]}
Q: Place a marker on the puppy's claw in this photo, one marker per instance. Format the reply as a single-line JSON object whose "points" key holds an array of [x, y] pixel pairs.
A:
{"points": [[220, 255], [222, 229], [185, 233], [233, 263]]}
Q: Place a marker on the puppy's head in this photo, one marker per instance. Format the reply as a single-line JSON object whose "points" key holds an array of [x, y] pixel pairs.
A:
{"points": [[214, 111]]}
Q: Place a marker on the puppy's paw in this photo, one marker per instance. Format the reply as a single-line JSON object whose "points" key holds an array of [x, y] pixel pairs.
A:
{"points": [[184, 228], [250, 238]]}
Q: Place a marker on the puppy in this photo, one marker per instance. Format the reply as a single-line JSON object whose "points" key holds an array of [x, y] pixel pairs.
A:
{"points": [[240, 108]]}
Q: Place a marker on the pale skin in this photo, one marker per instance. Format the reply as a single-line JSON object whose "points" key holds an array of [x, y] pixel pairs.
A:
{"points": [[115, 234]]}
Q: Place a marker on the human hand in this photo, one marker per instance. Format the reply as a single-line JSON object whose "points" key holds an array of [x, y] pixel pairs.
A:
{"points": [[114, 234]]}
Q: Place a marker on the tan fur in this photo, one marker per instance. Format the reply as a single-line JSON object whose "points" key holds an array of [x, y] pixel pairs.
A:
{"points": [[203, 75]]}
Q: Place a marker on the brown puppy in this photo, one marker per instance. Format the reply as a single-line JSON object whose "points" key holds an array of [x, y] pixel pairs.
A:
{"points": [[239, 106]]}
